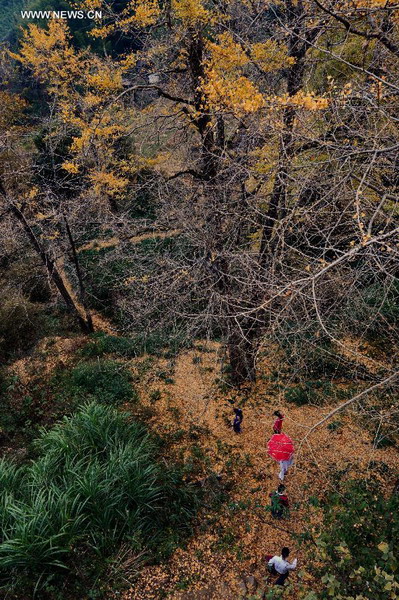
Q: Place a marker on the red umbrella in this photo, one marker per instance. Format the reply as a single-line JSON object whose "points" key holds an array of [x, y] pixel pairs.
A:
{"points": [[280, 447]]}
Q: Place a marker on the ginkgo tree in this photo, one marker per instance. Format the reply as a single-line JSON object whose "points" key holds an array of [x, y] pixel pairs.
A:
{"points": [[73, 162], [264, 186], [268, 132]]}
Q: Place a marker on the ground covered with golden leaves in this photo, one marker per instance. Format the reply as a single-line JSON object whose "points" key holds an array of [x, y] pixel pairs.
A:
{"points": [[187, 402]]}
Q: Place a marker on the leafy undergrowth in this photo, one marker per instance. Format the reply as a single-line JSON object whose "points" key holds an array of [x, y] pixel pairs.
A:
{"points": [[96, 483]]}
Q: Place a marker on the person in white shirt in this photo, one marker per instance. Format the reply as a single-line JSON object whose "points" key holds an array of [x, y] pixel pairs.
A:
{"points": [[280, 566]]}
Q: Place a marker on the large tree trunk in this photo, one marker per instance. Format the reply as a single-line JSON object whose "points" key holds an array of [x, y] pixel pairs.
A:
{"points": [[278, 201], [243, 343], [241, 351]]}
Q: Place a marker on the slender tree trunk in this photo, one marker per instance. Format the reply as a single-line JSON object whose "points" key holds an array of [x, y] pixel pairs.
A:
{"points": [[85, 324], [298, 44], [82, 290]]}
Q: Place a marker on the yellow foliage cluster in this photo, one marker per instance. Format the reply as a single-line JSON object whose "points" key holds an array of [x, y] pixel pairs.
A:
{"points": [[90, 4], [107, 182], [301, 99], [190, 11], [103, 77], [146, 12], [238, 95], [225, 87], [70, 167], [271, 56], [374, 3], [226, 54], [11, 107], [48, 53], [137, 14], [103, 32], [138, 163], [84, 92]]}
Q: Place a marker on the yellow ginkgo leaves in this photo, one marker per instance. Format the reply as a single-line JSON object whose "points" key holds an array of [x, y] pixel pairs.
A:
{"points": [[228, 86], [238, 95], [225, 87], [190, 11], [271, 56], [226, 54], [107, 182]]}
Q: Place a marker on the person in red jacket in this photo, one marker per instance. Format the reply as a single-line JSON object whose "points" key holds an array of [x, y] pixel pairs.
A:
{"points": [[278, 423], [279, 502]]}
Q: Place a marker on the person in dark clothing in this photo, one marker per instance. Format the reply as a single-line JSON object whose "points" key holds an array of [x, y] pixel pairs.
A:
{"points": [[237, 420], [278, 423], [279, 502]]}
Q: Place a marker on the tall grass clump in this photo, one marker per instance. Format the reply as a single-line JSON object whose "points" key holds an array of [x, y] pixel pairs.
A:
{"points": [[96, 483]]}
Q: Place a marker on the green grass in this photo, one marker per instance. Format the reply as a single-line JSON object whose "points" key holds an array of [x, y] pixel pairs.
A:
{"points": [[105, 381], [96, 483], [153, 343]]}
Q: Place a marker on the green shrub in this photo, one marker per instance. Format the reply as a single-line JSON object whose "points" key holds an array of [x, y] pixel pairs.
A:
{"points": [[383, 439], [359, 543], [96, 482], [377, 306], [102, 344], [334, 425], [155, 395], [106, 381], [314, 392], [300, 394]]}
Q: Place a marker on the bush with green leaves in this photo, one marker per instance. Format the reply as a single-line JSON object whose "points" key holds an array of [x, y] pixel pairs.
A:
{"points": [[105, 381], [312, 354], [300, 394], [358, 544], [96, 482]]}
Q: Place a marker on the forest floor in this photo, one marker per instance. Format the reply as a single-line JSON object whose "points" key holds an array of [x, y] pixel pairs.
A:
{"points": [[229, 547], [187, 402]]}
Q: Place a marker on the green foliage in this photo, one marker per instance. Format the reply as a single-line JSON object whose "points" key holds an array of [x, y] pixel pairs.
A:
{"points": [[105, 274], [323, 361], [358, 543], [152, 343], [318, 360], [383, 439], [102, 344], [334, 426], [95, 483], [312, 392], [155, 395], [105, 381], [300, 394], [9, 12], [374, 313]]}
